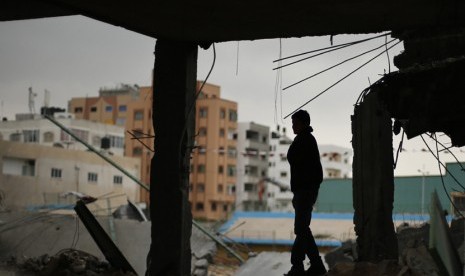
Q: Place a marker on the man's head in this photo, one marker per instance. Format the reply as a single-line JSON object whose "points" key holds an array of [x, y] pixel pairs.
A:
{"points": [[300, 121]]}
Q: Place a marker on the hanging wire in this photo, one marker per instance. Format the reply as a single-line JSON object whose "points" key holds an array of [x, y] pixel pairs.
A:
{"points": [[387, 53], [453, 155], [442, 180], [278, 87], [334, 46], [444, 166], [312, 56], [338, 64], [399, 149], [340, 80], [197, 95]]}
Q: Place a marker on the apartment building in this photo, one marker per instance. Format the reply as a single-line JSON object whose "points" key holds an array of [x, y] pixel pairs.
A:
{"points": [[252, 166], [127, 106], [36, 176], [34, 129], [336, 162], [213, 166]]}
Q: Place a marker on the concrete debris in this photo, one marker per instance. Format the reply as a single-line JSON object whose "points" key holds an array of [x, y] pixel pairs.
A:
{"points": [[346, 253], [385, 268], [66, 262], [419, 260]]}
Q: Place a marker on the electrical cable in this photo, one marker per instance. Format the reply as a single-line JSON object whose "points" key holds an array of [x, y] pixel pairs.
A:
{"points": [[387, 53], [303, 59], [399, 149], [338, 64], [333, 46], [444, 166], [453, 155], [340, 80]]}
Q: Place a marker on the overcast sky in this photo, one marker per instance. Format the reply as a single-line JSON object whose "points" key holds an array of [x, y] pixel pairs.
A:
{"points": [[75, 56]]}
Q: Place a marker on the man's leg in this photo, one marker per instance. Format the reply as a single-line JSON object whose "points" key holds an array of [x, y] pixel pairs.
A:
{"points": [[301, 230]]}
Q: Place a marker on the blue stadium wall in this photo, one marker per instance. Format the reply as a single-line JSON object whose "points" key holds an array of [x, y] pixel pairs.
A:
{"points": [[336, 194]]}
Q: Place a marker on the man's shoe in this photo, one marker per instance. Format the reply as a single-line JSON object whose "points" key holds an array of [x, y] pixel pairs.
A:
{"points": [[295, 272]]}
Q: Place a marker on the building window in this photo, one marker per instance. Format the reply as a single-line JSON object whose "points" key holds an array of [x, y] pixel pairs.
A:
{"points": [[55, 173], [222, 133], [122, 108], [213, 206], [15, 137], [251, 170], [221, 151], [31, 136], [283, 174], [202, 131], [200, 188], [199, 206], [231, 170], [81, 134], [48, 137], [232, 152], [96, 141], [29, 167], [220, 169], [138, 115], [201, 168], [219, 189], [249, 187], [232, 115], [78, 110], [203, 112], [117, 179], [137, 151], [232, 135], [92, 177], [222, 113], [231, 189], [93, 109], [116, 141], [251, 135], [108, 108], [225, 207]]}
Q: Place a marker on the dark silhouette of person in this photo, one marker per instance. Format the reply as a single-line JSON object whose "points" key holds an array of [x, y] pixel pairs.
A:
{"points": [[306, 177]]}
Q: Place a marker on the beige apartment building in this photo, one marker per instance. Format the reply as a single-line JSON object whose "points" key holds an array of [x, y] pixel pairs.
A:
{"points": [[128, 106], [213, 167]]}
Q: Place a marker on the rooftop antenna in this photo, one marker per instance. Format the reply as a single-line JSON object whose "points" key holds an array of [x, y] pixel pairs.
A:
{"points": [[32, 95]]}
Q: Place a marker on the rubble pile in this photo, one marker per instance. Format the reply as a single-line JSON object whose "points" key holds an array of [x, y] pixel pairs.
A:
{"points": [[414, 257], [68, 262]]}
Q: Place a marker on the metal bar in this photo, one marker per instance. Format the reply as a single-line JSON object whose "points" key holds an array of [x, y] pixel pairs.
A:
{"points": [[106, 245], [91, 148]]}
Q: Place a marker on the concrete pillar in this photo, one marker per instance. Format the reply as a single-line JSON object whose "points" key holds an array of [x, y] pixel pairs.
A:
{"points": [[173, 96], [373, 180]]}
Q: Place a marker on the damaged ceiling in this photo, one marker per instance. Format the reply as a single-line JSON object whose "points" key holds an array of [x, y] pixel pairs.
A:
{"points": [[215, 21]]}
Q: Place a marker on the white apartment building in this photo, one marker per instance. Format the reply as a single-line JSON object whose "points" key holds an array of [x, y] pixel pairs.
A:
{"points": [[336, 162], [34, 176], [33, 128], [39, 162], [252, 166]]}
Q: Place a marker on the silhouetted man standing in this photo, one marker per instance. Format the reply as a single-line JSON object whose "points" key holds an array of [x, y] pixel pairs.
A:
{"points": [[306, 176]]}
